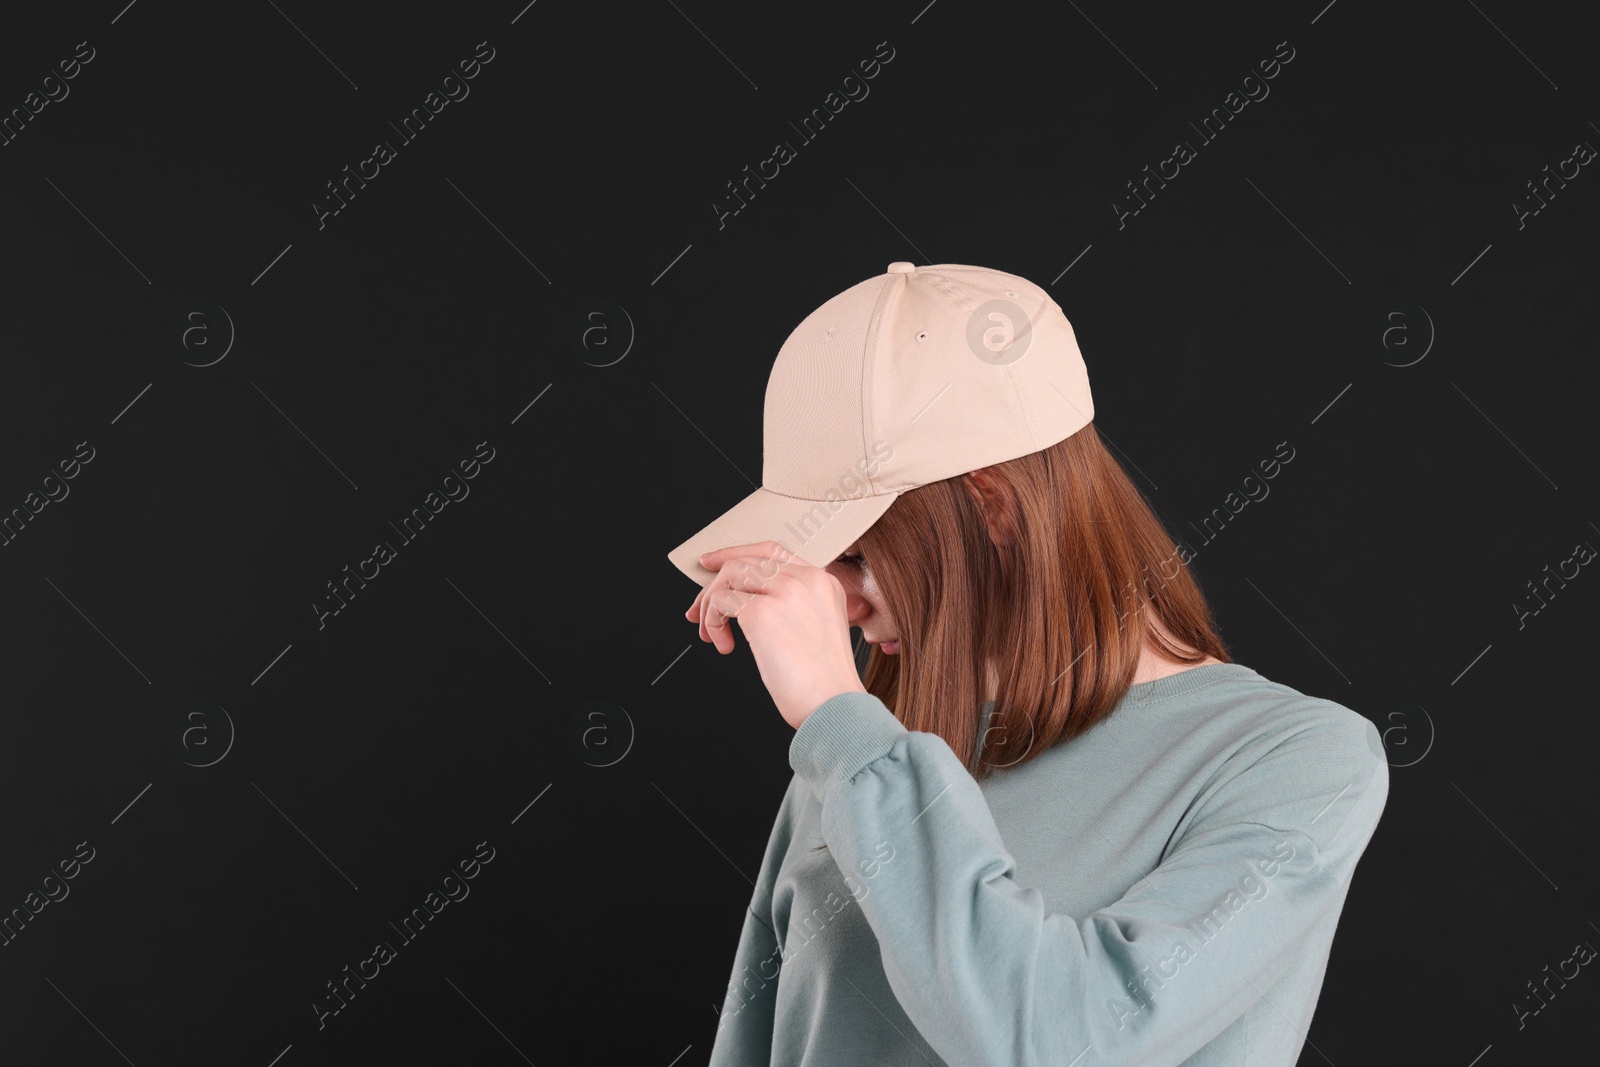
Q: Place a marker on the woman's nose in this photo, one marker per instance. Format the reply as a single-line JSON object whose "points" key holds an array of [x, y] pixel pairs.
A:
{"points": [[856, 606]]}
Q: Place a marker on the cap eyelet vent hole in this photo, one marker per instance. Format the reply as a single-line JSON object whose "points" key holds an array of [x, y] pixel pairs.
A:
{"points": [[922, 335], [1011, 294]]}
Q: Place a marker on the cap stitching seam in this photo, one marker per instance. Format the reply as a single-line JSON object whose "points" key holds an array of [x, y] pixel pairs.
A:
{"points": [[1016, 389], [874, 324], [827, 500]]}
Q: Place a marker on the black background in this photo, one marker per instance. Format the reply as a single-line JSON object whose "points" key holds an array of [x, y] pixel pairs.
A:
{"points": [[1243, 307]]}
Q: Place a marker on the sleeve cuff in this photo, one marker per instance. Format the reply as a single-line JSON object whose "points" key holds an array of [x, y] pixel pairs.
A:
{"points": [[844, 734]]}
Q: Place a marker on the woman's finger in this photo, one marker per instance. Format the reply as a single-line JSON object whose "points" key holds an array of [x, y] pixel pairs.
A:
{"points": [[713, 560], [714, 613], [735, 585], [721, 608], [736, 580]]}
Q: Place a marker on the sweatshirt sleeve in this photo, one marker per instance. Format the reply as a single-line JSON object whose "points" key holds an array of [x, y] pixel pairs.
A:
{"points": [[990, 976], [745, 1023]]}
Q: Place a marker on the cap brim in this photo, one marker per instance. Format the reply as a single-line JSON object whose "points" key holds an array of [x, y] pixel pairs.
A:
{"points": [[815, 530]]}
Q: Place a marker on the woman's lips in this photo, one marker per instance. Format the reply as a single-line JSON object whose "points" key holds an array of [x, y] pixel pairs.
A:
{"points": [[889, 648]]}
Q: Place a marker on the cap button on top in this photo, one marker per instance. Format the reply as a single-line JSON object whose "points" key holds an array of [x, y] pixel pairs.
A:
{"points": [[902, 267]]}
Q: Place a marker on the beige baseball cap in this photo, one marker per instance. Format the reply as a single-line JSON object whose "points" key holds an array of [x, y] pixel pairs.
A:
{"points": [[910, 377]]}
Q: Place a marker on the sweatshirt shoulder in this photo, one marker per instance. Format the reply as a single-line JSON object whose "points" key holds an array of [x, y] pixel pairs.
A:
{"points": [[1267, 715], [1292, 760]]}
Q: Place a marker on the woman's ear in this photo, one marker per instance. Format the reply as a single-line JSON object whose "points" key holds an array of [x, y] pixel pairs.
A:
{"points": [[985, 490]]}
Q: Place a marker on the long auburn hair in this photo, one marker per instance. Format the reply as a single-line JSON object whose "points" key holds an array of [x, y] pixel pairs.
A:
{"points": [[1061, 610]]}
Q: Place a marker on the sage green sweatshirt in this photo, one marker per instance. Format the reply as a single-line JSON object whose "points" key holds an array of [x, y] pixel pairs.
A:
{"points": [[1160, 890]]}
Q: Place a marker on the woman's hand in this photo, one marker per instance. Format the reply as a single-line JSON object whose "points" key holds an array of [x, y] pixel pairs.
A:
{"points": [[793, 615]]}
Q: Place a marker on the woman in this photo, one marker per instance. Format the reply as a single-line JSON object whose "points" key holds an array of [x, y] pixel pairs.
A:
{"points": [[1053, 822]]}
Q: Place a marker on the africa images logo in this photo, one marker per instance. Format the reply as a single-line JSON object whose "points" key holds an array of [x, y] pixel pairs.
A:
{"points": [[999, 331]]}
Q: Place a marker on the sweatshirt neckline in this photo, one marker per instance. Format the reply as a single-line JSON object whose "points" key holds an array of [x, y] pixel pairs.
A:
{"points": [[1185, 681]]}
